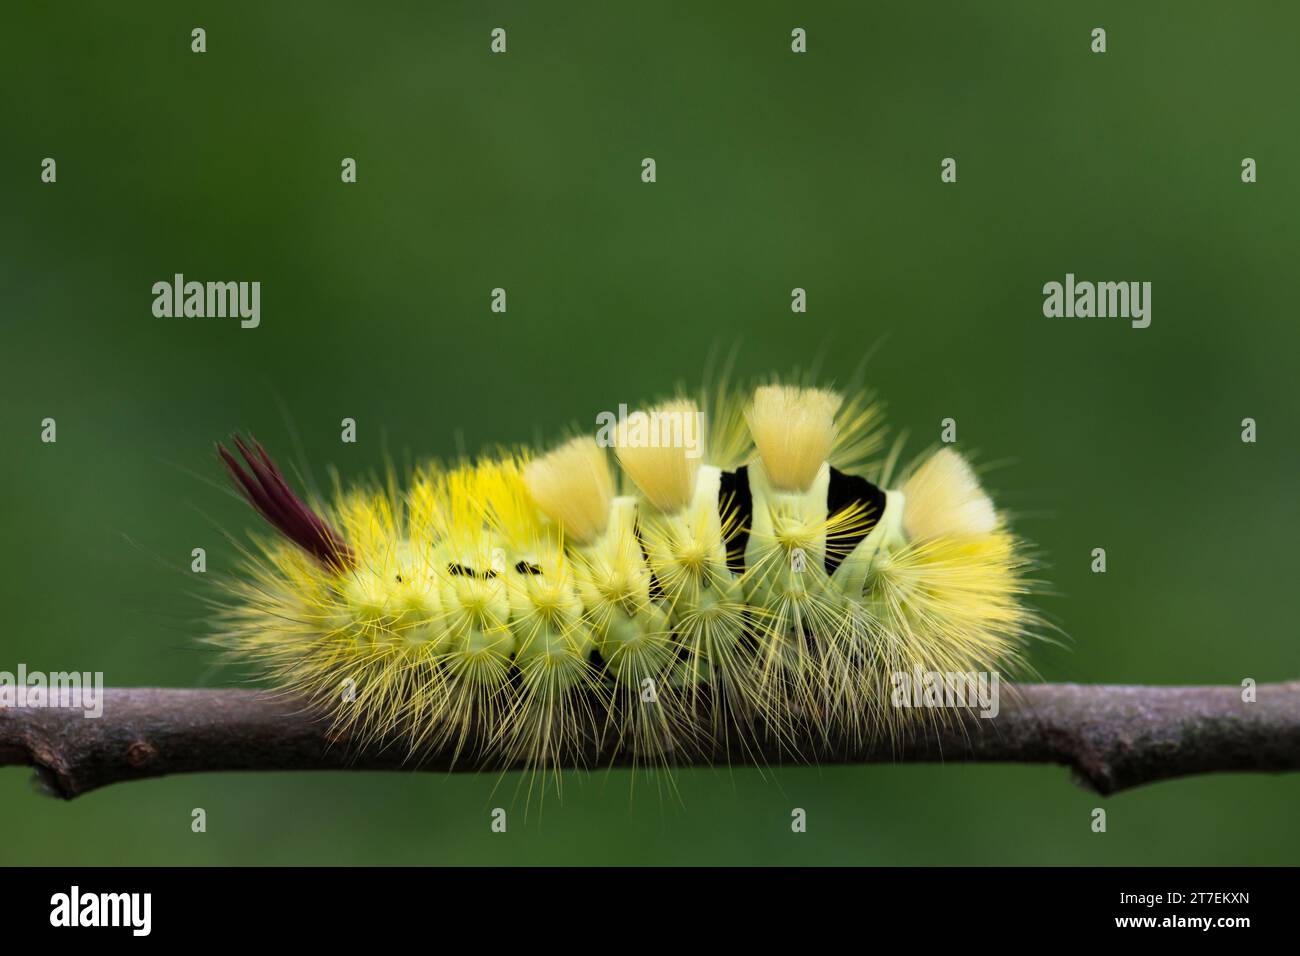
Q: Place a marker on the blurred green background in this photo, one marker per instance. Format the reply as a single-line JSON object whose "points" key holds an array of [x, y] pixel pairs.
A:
{"points": [[775, 170]]}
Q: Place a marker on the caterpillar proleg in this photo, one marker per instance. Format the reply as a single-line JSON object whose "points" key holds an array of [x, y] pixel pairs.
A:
{"points": [[735, 571]]}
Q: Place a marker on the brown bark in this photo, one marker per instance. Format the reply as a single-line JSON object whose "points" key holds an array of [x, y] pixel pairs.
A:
{"points": [[1114, 737]]}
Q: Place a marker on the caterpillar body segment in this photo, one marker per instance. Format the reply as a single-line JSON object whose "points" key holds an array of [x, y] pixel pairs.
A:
{"points": [[743, 591], [683, 528]]}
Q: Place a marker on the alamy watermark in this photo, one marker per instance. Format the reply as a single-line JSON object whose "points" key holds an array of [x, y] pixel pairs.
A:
{"points": [[133, 911], [661, 428], [198, 300], [966, 689], [1102, 300], [73, 690]]}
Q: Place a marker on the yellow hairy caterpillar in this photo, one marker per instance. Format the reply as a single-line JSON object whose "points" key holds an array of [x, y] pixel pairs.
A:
{"points": [[740, 570]]}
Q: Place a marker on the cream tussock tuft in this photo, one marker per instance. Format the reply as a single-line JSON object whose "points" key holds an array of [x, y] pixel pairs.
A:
{"points": [[945, 498], [573, 486], [794, 430], [660, 450]]}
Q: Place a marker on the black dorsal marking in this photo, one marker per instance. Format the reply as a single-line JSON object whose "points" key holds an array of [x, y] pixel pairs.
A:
{"points": [[460, 571], [736, 508], [523, 567], [845, 492]]}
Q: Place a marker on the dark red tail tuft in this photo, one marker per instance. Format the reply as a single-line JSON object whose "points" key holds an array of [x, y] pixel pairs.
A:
{"points": [[270, 495]]}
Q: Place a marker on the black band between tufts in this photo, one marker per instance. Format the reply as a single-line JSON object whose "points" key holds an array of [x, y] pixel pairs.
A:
{"points": [[736, 507]]}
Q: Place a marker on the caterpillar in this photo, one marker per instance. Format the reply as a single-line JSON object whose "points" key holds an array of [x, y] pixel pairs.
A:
{"points": [[745, 567]]}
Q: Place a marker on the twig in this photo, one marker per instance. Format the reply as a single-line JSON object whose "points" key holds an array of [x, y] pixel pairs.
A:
{"points": [[1115, 737]]}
